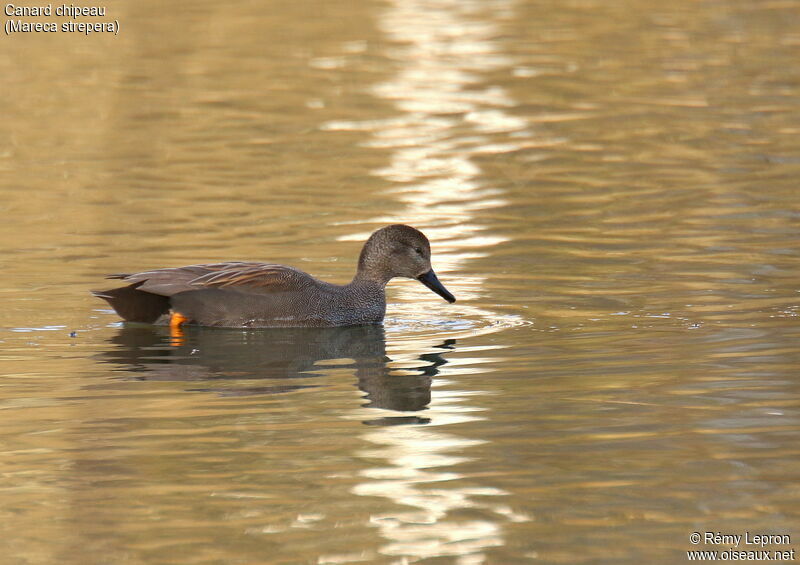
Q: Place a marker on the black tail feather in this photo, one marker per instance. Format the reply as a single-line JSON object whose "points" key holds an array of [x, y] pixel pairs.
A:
{"points": [[134, 305]]}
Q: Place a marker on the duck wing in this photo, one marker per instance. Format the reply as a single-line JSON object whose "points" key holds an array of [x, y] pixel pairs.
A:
{"points": [[256, 277], [249, 277]]}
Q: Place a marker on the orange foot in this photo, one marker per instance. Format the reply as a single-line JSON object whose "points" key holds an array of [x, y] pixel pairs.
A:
{"points": [[176, 320]]}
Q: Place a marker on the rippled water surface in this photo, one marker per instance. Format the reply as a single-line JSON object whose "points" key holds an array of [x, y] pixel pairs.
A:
{"points": [[611, 191]]}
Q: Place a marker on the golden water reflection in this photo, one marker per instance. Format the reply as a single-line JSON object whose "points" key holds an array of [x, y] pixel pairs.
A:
{"points": [[440, 51], [417, 460]]}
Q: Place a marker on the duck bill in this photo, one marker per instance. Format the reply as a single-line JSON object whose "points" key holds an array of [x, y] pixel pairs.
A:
{"points": [[430, 280]]}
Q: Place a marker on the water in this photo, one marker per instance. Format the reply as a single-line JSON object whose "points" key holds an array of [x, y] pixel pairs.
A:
{"points": [[611, 193]]}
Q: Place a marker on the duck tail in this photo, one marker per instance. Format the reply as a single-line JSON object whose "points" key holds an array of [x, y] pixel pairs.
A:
{"points": [[134, 305]]}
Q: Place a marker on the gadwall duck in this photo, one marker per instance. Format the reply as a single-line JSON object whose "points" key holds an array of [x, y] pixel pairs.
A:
{"points": [[257, 295]]}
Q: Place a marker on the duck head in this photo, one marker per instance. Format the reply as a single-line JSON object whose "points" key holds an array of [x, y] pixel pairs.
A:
{"points": [[400, 251]]}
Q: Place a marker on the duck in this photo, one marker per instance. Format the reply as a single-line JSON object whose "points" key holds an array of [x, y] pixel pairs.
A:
{"points": [[247, 294]]}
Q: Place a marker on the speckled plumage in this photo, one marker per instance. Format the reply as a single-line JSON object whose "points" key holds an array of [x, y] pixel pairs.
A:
{"points": [[251, 294]]}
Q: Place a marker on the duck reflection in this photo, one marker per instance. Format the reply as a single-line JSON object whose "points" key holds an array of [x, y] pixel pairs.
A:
{"points": [[280, 355]]}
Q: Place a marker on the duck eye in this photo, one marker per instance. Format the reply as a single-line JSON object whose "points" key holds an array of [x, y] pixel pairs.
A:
{"points": [[418, 250]]}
